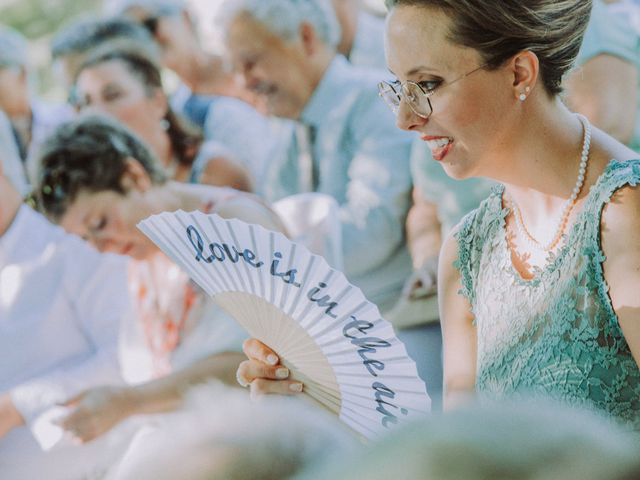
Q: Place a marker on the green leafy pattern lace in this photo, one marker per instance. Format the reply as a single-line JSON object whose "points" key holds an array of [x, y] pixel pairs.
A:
{"points": [[557, 334]]}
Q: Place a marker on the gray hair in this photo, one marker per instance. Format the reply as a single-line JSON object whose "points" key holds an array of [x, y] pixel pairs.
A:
{"points": [[160, 8], [284, 17], [13, 48]]}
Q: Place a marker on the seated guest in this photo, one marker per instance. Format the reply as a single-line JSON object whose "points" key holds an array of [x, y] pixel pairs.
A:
{"points": [[605, 85], [344, 143], [72, 44], [31, 119], [98, 181], [209, 95], [61, 304], [128, 86]]}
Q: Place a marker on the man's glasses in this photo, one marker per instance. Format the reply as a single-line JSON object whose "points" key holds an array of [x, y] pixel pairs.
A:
{"points": [[414, 94]]}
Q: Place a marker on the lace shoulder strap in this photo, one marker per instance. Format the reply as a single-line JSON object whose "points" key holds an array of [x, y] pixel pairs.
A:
{"points": [[616, 175], [476, 228]]}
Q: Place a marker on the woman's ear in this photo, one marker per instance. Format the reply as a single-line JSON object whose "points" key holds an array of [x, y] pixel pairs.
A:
{"points": [[525, 68], [135, 177]]}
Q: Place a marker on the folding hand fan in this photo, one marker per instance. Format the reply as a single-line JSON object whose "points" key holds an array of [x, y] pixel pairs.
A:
{"points": [[322, 327]]}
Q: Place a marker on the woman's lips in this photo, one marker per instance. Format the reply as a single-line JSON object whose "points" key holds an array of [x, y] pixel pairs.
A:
{"points": [[440, 146]]}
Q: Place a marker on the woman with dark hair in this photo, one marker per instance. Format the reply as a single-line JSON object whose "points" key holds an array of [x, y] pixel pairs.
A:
{"points": [[538, 287], [127, 85], [98, 181]]}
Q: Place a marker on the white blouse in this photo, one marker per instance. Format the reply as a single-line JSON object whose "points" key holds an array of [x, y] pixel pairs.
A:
{"points": [[61, 305]]}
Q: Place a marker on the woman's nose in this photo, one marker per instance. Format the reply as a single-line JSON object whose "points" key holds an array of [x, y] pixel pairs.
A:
{"points": [[406, 118]]}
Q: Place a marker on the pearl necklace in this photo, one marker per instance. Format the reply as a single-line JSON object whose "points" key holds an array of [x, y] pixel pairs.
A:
{"points": [[569, 204]]}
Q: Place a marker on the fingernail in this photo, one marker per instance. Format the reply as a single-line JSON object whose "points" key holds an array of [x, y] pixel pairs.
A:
{"points": [[296, 387], [272, 359], [282, 373], [241, 381]]}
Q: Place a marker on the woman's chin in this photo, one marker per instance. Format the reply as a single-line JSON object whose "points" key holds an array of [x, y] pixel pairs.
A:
{"points": [[456, 171]]}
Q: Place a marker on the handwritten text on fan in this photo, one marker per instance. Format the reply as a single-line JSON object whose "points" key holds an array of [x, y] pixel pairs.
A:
{"points": [[355, 330]]}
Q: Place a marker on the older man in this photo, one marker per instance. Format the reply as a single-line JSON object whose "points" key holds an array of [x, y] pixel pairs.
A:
{"points": [[61, 305], [345, 143]]}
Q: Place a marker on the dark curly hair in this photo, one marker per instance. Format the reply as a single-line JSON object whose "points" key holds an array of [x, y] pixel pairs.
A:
{"points": [[87, 154]]}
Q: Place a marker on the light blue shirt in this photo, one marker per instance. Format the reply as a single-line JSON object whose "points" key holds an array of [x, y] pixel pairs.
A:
{"points": [[368, 44], [610, 34], [362, 160], [232, 123], [243, 130]]}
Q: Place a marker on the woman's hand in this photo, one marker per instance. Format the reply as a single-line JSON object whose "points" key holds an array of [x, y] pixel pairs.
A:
{"points": [[263, 372], [423, 282], [96, 411]]}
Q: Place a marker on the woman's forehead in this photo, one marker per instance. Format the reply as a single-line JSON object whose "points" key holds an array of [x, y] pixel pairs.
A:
{"points": [[418, 39]]}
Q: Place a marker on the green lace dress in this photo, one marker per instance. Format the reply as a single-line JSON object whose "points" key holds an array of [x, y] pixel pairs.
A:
{"points": [[556, 335]]}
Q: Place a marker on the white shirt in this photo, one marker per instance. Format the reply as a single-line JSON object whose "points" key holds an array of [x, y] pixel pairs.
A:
{"points": [[61, 304]]}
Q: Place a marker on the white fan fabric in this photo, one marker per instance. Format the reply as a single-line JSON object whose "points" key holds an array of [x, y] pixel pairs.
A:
{"points": [[321, 326]]}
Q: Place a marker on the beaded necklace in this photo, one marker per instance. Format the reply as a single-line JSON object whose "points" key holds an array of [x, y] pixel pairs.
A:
{"points": [[568, 206]]}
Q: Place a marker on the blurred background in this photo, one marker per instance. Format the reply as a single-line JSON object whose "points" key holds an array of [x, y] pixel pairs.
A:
{"points": [[38, 20]]}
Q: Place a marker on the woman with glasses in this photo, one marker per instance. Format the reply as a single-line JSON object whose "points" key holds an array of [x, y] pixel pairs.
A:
{"points": [[98, 181], [127, 85], [538, 287]]}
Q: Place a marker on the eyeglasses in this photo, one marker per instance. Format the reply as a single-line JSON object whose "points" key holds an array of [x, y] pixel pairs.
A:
{"points": [[417, 96]]}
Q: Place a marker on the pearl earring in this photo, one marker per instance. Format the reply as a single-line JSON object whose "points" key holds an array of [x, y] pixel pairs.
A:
{"points": [[522, 97]]}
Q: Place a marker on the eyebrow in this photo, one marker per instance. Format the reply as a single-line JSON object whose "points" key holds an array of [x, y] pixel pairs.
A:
{"points": [[419, 69]]}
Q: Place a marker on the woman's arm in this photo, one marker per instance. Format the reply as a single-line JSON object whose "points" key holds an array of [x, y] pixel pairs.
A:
{"points": [[458, 332], [98, 410], [620, 234], [223, 172], [423, 241]]}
